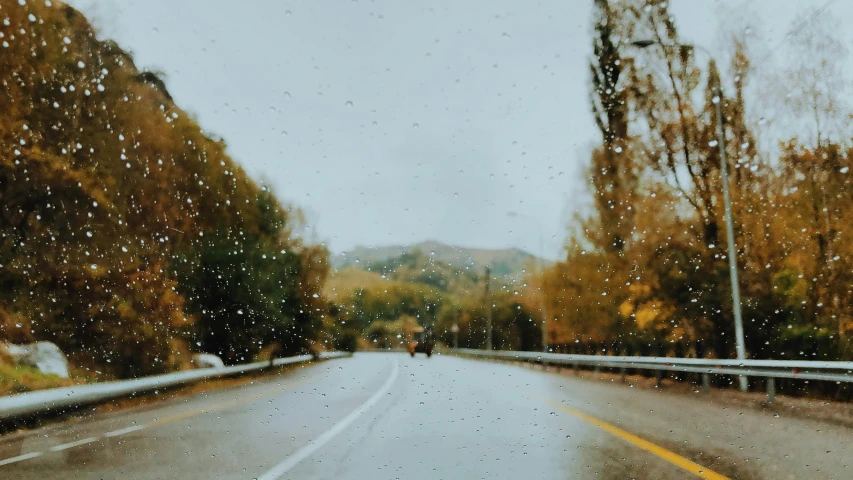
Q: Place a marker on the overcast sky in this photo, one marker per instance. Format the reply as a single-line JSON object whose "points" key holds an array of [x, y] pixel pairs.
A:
{"points": [[395, 121]]}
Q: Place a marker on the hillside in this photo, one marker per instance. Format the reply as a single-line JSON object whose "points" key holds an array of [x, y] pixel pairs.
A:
{"points": [[503, 262], [375, 300], [412, 270], [128, 236], [343, 282]]}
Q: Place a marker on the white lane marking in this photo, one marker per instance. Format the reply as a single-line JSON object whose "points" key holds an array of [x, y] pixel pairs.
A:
{"points": [[20, 458], [304, 452], [122, 431], [115, 433], [66, 446]]}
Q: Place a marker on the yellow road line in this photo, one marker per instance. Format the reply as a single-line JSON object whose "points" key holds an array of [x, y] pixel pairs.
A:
{"points": [[657, 450]]}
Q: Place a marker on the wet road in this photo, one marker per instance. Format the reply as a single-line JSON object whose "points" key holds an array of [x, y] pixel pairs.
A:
{"points": [[387, 416]]}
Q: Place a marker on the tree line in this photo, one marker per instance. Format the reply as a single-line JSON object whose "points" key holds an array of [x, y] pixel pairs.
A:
{"points": [[128, 235], [646, 269], [418, 290]]}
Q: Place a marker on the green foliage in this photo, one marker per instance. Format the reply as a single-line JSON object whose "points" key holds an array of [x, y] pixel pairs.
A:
{"points": [[805, 342], [347, 341], [432, 292], [344, 335], [367, 305], [790, 285], [514, 326], [509, 262], [21, 379], [381, 334], [391, 334], [417, 267], [245, 295]]}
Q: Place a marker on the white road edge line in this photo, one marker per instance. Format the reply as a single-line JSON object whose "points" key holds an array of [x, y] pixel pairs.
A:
{"points": [[304, 452], [66, 446], [122, 431], [20, 458]]}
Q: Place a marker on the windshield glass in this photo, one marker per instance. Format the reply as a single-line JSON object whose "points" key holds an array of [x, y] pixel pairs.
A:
{"points": [[407, 239]]}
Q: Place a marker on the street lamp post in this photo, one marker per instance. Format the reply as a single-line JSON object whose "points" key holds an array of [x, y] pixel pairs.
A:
{"points": [[724, 172], [487, 303], [543, 303]]}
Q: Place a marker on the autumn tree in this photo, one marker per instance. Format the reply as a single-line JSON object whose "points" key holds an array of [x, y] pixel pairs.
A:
{"points": [[611, 170], [117, 213]]}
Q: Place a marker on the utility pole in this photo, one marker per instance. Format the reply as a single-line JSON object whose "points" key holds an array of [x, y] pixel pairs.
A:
{"points": [[727, 203], [488, 304], [730, 236]]}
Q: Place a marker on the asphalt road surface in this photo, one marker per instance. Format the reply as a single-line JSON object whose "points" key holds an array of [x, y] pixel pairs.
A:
{"points": [[389, 416]]}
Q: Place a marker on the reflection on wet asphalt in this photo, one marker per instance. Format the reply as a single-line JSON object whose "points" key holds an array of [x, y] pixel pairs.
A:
{"points": [[443, 417]]}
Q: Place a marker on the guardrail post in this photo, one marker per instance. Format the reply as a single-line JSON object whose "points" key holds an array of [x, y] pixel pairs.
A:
{"points": [[622, 371], [771, 389], [706, 382], [575, 365], [597, 370], [658, 378]]}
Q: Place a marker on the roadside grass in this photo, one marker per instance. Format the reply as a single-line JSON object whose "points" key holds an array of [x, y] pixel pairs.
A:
{"points": [[16, 379]]}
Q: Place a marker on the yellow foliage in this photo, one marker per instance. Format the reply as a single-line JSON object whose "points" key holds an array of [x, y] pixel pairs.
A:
{"points": [[626, 309], [105, 191], [645, 315], [342, 283]]}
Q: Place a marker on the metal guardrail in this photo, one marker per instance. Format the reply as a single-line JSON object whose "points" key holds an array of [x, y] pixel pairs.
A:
{"points": [[57, 399], [768, 369]]}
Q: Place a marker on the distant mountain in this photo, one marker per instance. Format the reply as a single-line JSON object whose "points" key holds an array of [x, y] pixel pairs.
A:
{"points": [[503, 262], [431, 267]]}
